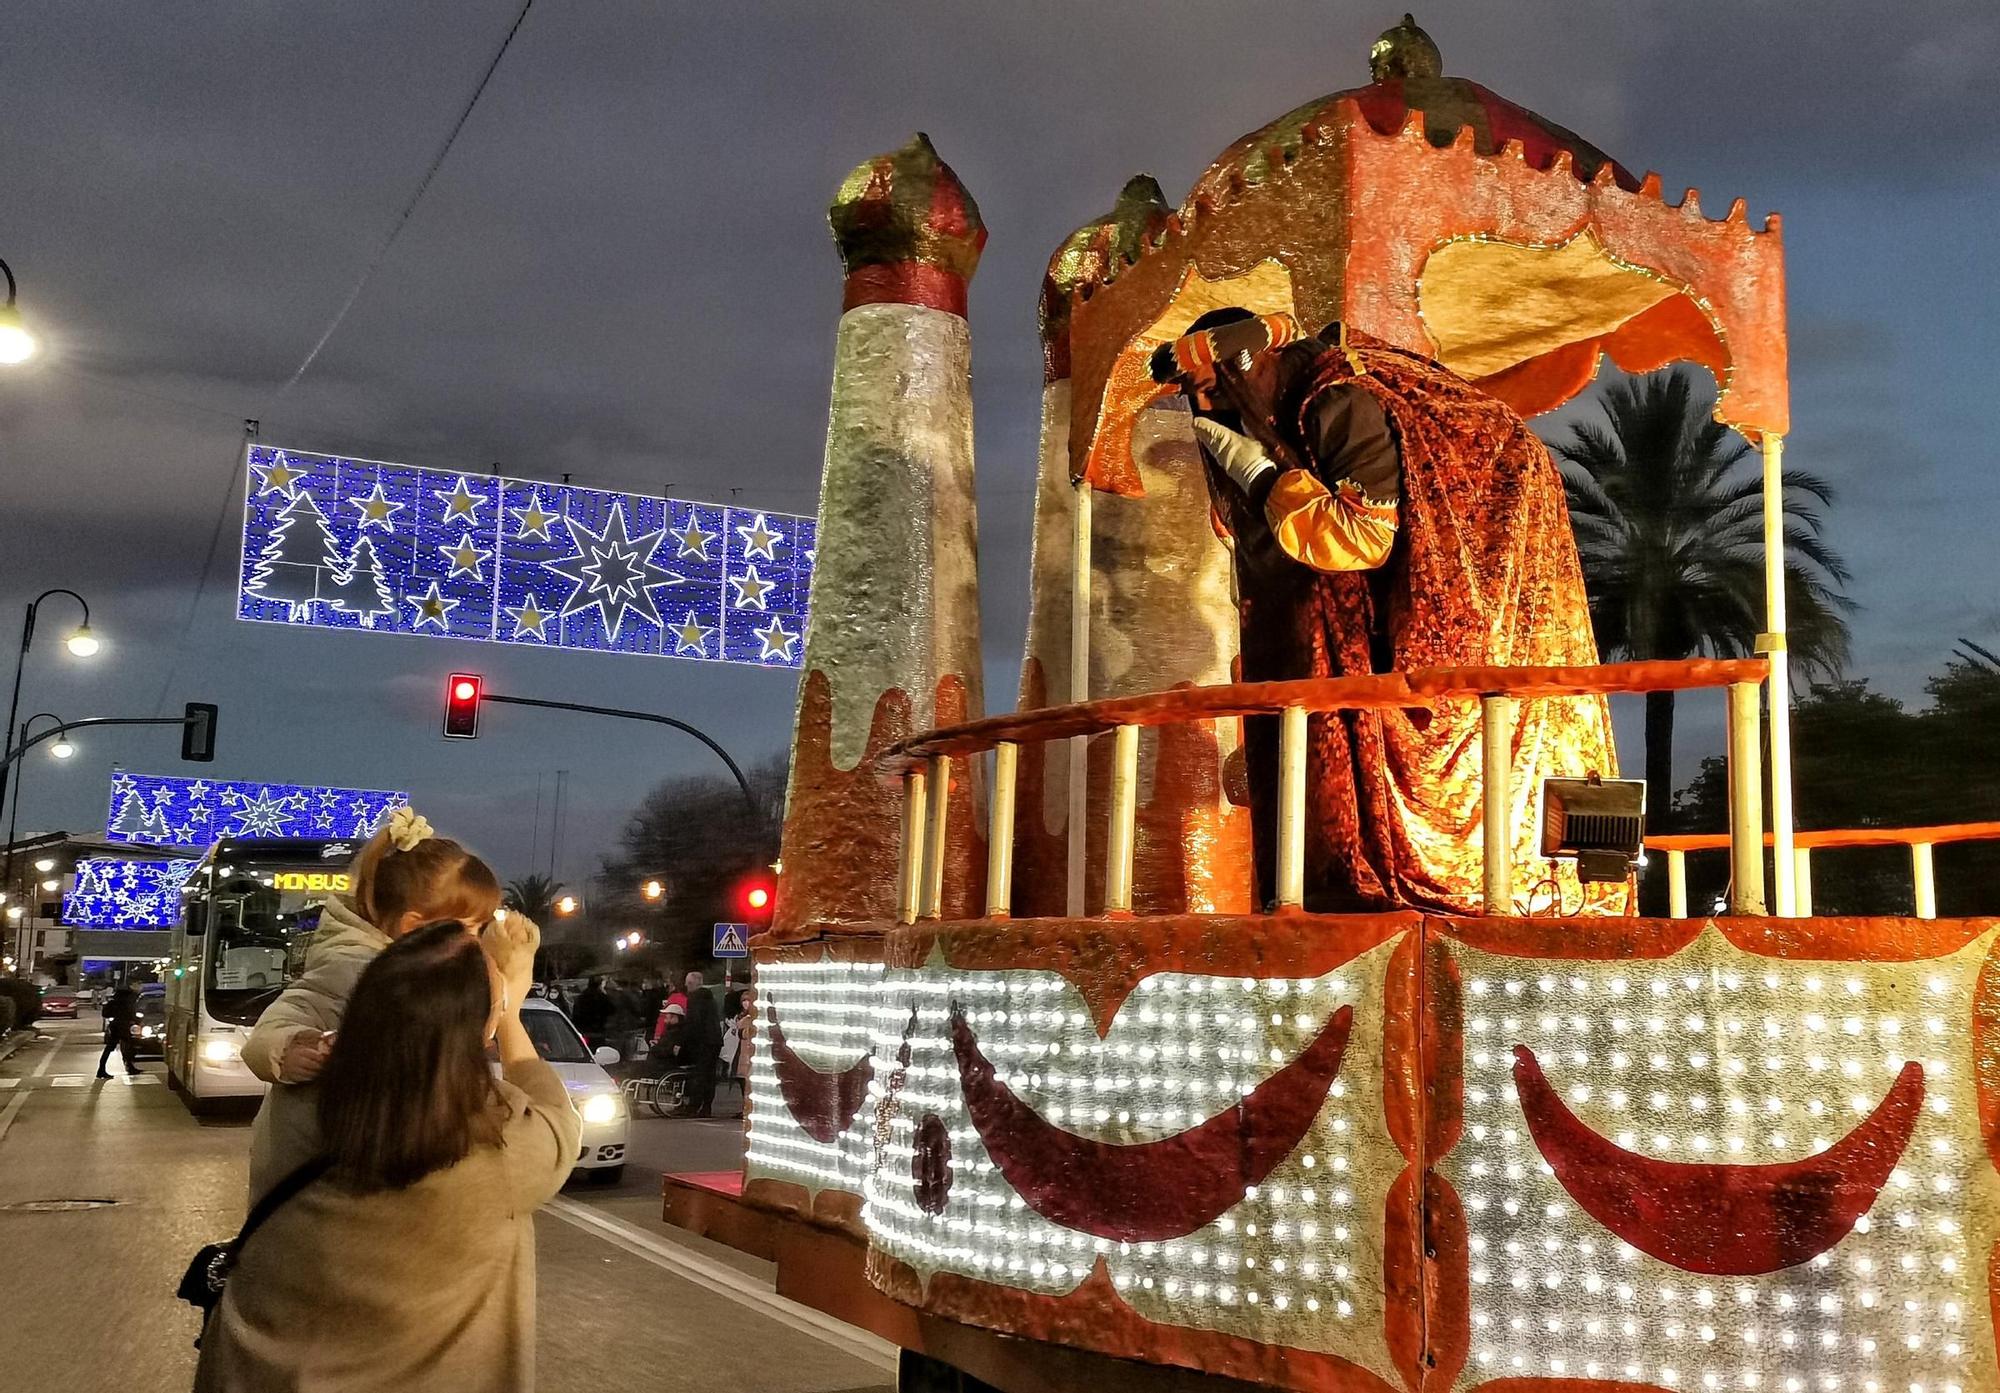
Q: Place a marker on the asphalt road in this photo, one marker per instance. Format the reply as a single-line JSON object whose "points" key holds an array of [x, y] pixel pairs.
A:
{"points": [[106, 1189]]}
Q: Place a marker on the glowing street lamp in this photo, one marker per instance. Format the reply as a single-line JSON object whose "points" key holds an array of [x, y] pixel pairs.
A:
{"points": [[61, 748], [17, 345], [46, 864], [82, 643], [654, 889], [566, 905]]}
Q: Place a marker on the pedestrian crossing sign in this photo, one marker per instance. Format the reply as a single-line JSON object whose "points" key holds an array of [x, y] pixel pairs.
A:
{"points": [[731, 941]]}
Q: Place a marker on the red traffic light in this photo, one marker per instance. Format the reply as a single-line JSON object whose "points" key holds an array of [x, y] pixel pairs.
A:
{"points": [[461, 706], [753, 899]]}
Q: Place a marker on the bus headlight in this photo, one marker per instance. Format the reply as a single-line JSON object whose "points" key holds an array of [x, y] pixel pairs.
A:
{"points": [[217, 1051], [603, 1107]]}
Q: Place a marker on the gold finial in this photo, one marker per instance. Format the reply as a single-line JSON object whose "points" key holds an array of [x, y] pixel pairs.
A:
{"points": [[1405, 51]]}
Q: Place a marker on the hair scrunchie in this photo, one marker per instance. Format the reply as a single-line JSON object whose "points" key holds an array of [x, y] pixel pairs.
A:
{"points": [[407, 827]]}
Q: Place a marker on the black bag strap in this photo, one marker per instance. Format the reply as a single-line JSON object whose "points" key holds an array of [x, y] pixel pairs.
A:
{"points": [[275, 1198]]}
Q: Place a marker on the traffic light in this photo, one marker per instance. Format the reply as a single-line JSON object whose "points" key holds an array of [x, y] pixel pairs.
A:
{"points": [[198, 732], [755, 894], [461, 705]]}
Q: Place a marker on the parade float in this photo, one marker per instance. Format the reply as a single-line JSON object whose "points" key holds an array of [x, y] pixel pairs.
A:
{"points": [[1050, 1086]]}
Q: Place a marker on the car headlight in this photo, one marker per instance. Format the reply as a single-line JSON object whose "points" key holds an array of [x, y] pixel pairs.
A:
{"points": [[603, 1107], [219, 1051], [145, 1032]]}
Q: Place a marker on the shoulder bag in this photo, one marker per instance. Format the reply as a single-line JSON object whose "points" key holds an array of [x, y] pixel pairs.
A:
{"points": [[203, 1282]]}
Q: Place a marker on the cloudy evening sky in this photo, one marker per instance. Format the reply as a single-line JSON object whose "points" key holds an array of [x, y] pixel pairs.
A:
{"points": [[623, 272]]}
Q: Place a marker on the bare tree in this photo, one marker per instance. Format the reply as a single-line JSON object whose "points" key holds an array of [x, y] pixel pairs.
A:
{"points": [[699, 839]]}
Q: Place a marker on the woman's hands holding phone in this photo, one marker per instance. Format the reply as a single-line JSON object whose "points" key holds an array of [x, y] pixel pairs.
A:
{"points": [[510, 940]]}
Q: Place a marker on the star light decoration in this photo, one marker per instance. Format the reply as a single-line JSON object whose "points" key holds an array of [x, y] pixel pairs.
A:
{"points": [[110, 893], [338, 543], [170, 810]]}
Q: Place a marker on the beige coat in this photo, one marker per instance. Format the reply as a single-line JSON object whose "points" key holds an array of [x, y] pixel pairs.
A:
{"points": [[429, 1288], [286, 1134]]}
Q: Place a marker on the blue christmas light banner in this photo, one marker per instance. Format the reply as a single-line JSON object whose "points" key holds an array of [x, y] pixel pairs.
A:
{"points": [[114, 894], [171, 810], [357, 544]]}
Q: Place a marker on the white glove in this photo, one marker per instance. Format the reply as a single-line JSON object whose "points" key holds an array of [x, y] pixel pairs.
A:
{"points": [[1240, 457]]}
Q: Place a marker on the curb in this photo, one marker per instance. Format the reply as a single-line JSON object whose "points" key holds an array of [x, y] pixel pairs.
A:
{"points": [[13, 1041]]}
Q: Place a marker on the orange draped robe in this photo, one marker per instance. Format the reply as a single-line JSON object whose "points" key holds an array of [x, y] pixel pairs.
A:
{"points": [[1483, 570]]}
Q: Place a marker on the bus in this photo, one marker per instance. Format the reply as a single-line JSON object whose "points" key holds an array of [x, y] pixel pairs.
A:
{"points": [[248, 914]]}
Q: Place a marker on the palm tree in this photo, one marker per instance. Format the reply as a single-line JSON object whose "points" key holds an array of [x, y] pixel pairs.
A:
{"points": [[1670, 531], [534, 896]]}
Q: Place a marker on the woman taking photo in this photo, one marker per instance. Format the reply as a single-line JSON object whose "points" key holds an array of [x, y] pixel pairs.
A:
{"points": [[410, 1263]]}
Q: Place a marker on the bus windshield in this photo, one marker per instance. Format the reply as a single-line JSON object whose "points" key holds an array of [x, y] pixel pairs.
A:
{"points": [[257, 936]]}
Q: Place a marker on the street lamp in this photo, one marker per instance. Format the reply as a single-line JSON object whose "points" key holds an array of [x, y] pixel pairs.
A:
{"points": [[81, 643], [17, 345], [61, 749], [566, 905], [654, 889]]}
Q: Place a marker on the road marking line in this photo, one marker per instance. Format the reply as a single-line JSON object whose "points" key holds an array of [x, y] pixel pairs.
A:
{"points": [[69, 1081], [726, 1281], [8, 1083], [21, 1097], [47, 1059]]}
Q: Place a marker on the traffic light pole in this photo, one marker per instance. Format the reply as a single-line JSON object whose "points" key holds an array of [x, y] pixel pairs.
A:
{"points": [[14, 755], [622, 714], [26, 744]]}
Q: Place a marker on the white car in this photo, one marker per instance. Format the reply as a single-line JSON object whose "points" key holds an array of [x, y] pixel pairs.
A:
{"points": [[607, 1119]]}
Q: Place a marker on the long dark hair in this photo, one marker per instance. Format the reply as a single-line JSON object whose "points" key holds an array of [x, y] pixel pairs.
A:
{"points": [[407, 1090]]}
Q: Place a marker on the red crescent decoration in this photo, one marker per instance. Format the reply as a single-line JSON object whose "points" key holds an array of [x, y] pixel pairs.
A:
{"points": [[1148, 1191], [822, 1103], [1723, 1220]]}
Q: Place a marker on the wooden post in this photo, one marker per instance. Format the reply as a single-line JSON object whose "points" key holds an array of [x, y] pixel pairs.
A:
{"points": [[933, 862], [1746, 802], [1496, 735], [1923, 874], [1000, 832], [1677, 884], [1802, 881], [1079, 690], [1772, 644], [1291, 885], [910, 874], [1124, 815]]}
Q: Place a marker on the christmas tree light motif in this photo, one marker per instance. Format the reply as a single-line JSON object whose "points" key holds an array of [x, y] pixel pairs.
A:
{"points": [[292, 563], [362, 590], [366, 546], [169, 811]]}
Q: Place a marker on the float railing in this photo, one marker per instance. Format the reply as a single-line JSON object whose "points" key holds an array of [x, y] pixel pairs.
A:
{"points": [[1920, 840], [925, 763]]}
